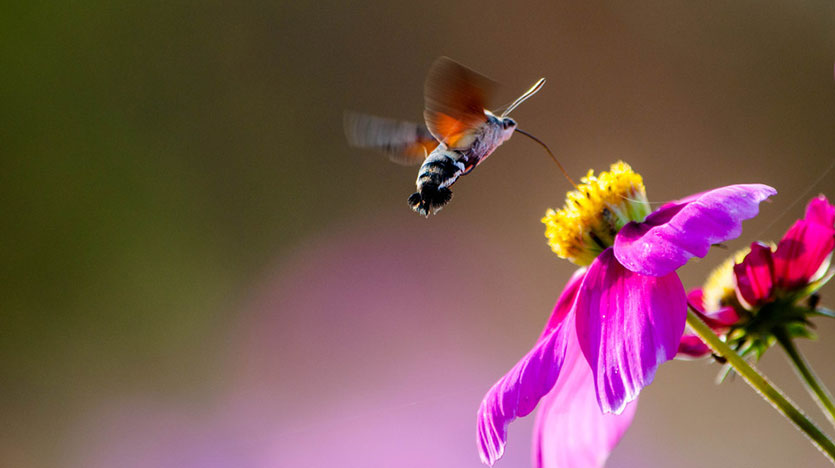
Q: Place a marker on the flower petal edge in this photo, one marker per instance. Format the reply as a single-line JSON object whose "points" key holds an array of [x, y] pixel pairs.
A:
{"points": [[673, 234]]}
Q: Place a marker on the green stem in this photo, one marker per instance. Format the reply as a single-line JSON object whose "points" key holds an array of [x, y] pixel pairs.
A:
{"points": [[818, 391], [759, 383]]}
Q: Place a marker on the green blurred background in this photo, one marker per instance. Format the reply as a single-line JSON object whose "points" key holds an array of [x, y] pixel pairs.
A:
{"points": [[188, 236]]}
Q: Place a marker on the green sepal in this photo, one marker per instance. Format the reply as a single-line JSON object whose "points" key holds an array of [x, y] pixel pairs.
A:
{"points": [[814, 286], [823, 312], [800, 330]]}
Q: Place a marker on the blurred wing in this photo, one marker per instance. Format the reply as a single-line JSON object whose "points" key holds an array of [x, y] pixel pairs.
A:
{"points": [[456, 98], [404, 142]]}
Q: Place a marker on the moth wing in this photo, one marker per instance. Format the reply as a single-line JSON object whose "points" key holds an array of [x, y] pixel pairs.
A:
{"points": [[455, 100], [404, 143]]}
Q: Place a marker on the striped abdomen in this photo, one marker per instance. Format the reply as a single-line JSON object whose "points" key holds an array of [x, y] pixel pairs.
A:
{"points": [[440, 170]]}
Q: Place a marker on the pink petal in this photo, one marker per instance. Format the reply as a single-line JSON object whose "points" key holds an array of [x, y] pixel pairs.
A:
{"points": [[719, 319], [517, 393], [696, 299], [678, 231], [755, 275], [691, 346], [801, 252], [570, 430], [564, 302], [628, 324], [819, 211]]}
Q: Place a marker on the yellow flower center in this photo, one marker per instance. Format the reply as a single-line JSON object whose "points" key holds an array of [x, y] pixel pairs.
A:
{"points": [[595, 212]]}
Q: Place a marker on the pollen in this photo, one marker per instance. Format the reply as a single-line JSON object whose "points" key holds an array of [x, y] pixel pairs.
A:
{"points": [[720, 286], [595, 212]]}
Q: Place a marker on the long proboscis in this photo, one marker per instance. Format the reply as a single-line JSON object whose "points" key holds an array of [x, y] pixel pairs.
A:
{"points": [[534, 89], [564, 172]]}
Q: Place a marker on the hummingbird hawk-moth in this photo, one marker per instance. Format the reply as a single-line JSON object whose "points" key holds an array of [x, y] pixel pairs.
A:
{"points": [[458, 135]]}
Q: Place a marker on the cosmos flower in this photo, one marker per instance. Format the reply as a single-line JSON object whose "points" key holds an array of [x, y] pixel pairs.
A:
{"points": [[756, 293], [801, 258], [626, 316]]}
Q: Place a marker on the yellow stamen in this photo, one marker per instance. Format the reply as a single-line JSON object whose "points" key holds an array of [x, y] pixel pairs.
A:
{"points": [[719, 288], [595, 212]]}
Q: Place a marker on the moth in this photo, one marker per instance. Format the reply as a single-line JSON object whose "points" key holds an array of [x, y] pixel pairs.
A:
{"points": [[459, 132]]}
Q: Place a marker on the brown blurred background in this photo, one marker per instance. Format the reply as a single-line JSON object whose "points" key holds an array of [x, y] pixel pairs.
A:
{"points": [[197, 271]]}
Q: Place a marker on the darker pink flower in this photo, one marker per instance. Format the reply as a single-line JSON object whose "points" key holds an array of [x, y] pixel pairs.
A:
{"points": [[801, 257], [751, 297]]}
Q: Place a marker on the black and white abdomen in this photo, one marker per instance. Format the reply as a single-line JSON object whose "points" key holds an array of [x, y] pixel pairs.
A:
{"points": [[440, 170]]}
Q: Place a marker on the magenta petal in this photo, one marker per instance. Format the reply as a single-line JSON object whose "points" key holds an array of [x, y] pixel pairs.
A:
{"points": [[570, 430], [517, 393], [801, 253], [755, 274], [696, 299], [692, 346], [819, 211], [676, 232], [719, 319], [628, 324], [564, 303]]}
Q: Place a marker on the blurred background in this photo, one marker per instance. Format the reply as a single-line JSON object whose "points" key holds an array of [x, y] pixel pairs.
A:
{"points": [[198, 272]]}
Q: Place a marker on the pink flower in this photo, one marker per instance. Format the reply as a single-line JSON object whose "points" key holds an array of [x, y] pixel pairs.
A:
{"points": [[750, 297], [802, 257], [625, 313]]}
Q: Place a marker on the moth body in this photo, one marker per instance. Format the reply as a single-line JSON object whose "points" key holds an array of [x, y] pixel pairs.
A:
{"points": [[443, 166]]}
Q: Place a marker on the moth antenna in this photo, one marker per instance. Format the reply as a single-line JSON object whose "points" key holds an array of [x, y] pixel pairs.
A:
{"points": [[564, 172], [533, 90]]}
